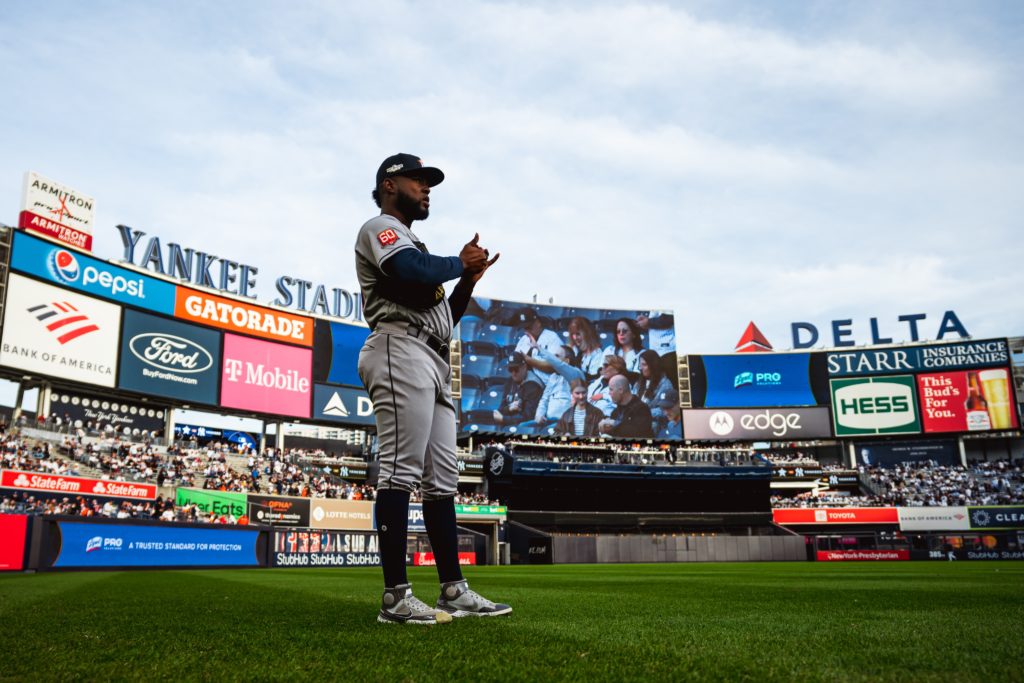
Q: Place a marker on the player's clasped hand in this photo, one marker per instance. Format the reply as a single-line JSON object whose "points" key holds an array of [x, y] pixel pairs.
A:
{"points": [[475, 258]]}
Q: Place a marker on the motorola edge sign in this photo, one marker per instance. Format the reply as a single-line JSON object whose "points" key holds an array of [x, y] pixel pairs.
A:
{"points": [[168, 358], [741, 425]]}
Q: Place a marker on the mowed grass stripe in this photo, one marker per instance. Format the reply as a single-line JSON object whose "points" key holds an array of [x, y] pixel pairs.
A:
{"points": [[757, 622]]}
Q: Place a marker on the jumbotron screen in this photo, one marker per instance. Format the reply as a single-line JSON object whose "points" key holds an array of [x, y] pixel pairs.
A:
{"points": [[551, 370]]}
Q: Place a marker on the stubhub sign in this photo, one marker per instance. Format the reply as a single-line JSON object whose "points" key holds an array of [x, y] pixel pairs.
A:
{"points": [[78, 271]]}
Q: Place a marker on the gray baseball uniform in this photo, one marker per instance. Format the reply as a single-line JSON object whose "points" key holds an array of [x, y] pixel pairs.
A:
{"points": [[408, 380]]}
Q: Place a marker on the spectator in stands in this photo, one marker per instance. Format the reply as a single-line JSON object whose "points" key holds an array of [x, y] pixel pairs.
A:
{"points": [[597, 392], [670, 424], [582, 418], [520, 396], [631, 417], [535, 338], [557, 396], [652, 383], [586, 345], [627, 344], [661, 331]]}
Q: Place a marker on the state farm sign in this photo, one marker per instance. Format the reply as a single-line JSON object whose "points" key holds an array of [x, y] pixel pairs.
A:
{"points": [[77, 486]]}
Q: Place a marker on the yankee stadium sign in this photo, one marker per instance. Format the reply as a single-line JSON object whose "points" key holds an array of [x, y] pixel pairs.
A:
{"points": [[205, 269]]}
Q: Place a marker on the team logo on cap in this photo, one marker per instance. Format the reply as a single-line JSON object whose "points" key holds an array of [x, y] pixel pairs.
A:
{"points": [[394, 167], [63, 266]]}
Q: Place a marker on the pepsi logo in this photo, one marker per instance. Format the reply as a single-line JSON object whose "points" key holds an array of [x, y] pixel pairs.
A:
{"points": [[64, 266]]}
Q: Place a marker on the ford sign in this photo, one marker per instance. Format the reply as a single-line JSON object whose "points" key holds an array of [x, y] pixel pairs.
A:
{"points": [[168, 352]]}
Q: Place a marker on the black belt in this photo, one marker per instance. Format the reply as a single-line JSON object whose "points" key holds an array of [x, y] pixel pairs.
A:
{"points": [[436, 344]]}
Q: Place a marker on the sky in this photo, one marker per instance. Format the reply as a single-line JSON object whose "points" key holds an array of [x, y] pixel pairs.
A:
{"points": [[731, 161]]}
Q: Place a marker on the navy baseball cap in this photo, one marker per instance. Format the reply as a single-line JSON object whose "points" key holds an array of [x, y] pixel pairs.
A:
{"points": [[408, 164]]}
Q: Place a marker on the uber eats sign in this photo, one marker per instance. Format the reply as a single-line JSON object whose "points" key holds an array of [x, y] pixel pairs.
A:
{"points": [[875, 405]]}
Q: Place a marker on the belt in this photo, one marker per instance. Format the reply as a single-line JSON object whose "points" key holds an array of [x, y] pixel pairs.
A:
{"points": [[436, 344]]}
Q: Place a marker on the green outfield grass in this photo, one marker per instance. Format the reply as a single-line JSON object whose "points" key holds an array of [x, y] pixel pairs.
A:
{"points": [[756, 622]]}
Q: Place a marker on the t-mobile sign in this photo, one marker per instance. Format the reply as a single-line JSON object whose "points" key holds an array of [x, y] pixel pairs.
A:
{"points": [[266, 377]]}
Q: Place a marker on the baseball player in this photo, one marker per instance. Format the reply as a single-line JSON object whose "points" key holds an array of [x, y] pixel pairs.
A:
{"points": [[404, 365]]}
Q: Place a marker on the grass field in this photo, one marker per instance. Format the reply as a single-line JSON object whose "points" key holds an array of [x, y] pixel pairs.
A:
{"points": [[756, 622]]}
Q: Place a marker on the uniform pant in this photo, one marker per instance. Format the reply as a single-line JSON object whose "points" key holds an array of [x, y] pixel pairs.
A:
{"points": [[410, 386]]}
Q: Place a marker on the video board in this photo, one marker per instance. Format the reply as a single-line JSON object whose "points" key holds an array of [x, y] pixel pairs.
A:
{"points": [[558, 345], [758, 380], [70, 316]]}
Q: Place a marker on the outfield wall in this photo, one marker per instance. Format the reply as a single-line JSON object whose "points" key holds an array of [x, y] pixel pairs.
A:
{"points": [[608, 548]]}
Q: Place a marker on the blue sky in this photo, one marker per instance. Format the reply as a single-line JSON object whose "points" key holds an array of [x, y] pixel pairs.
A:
{"points": [[732, 161]]}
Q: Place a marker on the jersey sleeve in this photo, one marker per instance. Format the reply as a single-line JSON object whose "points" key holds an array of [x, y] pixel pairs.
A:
{"points": [[380, 240]]}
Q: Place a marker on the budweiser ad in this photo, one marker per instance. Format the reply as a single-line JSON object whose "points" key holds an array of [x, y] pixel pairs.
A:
{"points": [[75, 486], [967, 401]]}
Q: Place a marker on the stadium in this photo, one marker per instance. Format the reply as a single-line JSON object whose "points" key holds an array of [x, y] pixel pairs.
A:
{"points": [[830, 468]]}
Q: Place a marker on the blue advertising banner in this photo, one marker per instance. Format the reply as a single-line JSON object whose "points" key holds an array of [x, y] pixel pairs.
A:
{"points": [[982, 353], [996, 517], [168, 358], [758, 380], [74, 269], [336, 351], [416, 522], [125, 545], [342, 404]]}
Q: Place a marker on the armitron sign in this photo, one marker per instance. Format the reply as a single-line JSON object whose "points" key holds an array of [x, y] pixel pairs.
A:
{"points": [[75, 486], [57, 211]]}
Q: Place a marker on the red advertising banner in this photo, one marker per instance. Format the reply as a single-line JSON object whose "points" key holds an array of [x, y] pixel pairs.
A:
{"points": [[12, 542], [967, 401], [862, 555], [75, 486], [836, 516], [58, 231], [237, 316], [427, 559]]}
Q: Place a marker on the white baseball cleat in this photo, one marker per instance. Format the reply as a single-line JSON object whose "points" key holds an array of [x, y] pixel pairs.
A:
{"points": [[459, 601], [400, 606]]}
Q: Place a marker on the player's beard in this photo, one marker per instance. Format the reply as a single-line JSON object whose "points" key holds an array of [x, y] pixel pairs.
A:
{"points": [[410, 207]]}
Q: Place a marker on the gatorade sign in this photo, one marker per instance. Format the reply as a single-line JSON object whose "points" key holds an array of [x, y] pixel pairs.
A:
{"points": [[876, 405]]}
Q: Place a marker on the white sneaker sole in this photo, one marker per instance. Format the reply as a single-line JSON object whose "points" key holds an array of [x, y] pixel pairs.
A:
{"points": [[458, 614]]}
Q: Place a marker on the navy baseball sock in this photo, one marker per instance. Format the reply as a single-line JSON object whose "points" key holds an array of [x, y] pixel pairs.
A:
{"points": [[439, 518], [392, 512]]}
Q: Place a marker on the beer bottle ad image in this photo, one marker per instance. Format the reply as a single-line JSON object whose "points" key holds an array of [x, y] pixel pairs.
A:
{"points": [[966, 401]]}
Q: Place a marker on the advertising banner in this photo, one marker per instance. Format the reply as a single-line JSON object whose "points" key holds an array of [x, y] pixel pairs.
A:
{"points": [[756, 424], [237, 316], [981, 353], [278, 510], [59, 333], [427, 559], [329, 513], [216, 502], [986, 517], [12, 542], [787, 516], [416, 522], [956, 555], [348, 471], [342, 404], [75, 270], [952, 518], [75, 486], [875, 405], [756, 380], [336, 349], [265, 377], [157, 545], [481, 511], [892, 453], [862, 555], [324, 549], [967, 401], [126, 417], [57, 211], [492, 329], [167, 358]]}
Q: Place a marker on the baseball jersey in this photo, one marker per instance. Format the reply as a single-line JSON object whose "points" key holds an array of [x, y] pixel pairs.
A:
{"points": [[386, 299]]}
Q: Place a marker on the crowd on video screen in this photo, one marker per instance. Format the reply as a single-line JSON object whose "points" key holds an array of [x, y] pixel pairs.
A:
{"points": [[558, 371]]}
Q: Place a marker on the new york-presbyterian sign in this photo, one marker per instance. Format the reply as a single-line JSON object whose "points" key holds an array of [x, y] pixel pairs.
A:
{"points": [[205, 269]]}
